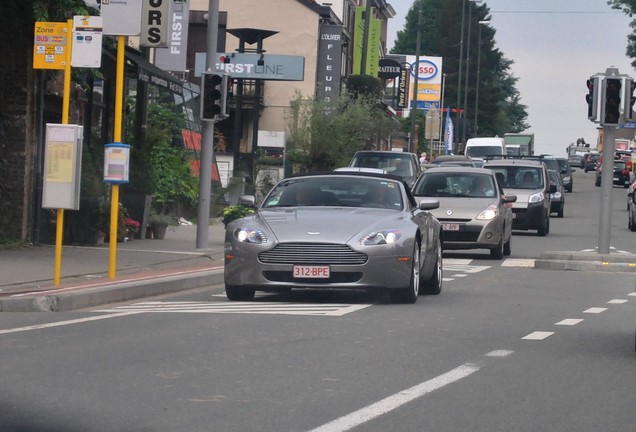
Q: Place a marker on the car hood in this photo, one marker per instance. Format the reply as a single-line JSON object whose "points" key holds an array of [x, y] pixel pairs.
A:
{"points": [[338, 224], [462, 208]]}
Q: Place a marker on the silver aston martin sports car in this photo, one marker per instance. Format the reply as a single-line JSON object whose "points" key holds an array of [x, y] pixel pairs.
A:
{"points": [[344, 230]]}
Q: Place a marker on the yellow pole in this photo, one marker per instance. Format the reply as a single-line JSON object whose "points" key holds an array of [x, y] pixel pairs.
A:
{"points": [[114, 198], [59, 232]]}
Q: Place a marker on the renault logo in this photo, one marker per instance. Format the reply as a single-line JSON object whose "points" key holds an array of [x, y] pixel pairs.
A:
{"points": [[449, 212]]}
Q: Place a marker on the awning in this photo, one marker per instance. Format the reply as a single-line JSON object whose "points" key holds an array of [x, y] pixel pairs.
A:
{"points": [[151, 74]]}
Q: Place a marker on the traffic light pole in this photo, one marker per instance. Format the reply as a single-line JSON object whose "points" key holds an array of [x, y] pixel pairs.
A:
{"points": [[607, 184], [207, 138]]}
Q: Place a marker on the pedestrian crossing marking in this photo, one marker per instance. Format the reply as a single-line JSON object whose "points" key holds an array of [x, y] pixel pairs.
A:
{"points": [[271, 308], [459, 268], [518, 262]]}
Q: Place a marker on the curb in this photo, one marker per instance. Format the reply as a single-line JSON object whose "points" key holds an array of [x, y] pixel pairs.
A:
{"points": [[587, 261], [79, 298]]}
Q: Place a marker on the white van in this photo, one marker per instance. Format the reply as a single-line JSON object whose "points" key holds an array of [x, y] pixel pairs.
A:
{"points": [[480, 147]]}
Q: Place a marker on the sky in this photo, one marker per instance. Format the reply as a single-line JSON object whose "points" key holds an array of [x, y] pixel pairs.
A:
{"points": [[556, 45]]}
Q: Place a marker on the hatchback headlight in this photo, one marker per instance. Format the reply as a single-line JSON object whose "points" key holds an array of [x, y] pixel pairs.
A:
{"points": [[566, 179], [556, 195], [381, 237], [537, 197], [248, 235], [489, 213]]}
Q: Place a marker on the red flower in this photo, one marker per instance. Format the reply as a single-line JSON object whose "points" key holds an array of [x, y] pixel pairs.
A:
{"points": [[130, 222]]}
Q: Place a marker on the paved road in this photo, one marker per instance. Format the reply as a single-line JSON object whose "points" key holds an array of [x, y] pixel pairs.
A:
{"points": [[504, 347]]}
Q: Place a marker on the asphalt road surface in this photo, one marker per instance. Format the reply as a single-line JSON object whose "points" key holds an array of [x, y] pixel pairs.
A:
{"points": [[505, 347]]}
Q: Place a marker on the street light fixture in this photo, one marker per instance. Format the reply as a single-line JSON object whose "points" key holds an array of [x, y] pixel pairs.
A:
{"points": [[478, 73], [470, 18]]}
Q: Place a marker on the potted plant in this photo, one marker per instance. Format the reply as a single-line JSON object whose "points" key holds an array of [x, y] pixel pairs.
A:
{"points": [[159, 223]]}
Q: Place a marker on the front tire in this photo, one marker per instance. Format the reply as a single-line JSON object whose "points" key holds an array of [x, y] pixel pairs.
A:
{"points": [[433, 285], [545, 227], [409, 294], [236, 293], [498, 252], [508, 247]]}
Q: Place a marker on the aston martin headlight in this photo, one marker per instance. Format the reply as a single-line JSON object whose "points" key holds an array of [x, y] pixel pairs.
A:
{"points": [[489, 213], [247, 235], [535, 198], [381, 237]]}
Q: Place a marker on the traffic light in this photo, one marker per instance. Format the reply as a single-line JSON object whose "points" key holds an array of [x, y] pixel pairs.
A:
{"points": [[213, 96], [612, 114], [592, 98], [630, 99]]}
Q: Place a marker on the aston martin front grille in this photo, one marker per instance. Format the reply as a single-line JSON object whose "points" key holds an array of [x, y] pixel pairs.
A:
{"points": [[312, 254]]}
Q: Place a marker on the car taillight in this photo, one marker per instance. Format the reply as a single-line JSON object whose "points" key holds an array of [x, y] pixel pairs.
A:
{"points": [[625, 171]]}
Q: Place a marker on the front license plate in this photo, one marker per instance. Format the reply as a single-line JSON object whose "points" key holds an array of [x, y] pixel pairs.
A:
{"points": [[450, 227], [315, 272], [615, 178]]}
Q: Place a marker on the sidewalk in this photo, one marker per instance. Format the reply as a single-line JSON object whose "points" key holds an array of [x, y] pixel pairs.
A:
{"points": [[143, 268]]}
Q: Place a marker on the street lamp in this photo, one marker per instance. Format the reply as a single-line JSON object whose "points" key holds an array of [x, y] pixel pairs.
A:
{"points": [[470, 18], [478, 73]]}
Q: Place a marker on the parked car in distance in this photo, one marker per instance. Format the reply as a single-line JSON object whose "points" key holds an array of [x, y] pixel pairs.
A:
{"points": [[557, 199], [621, 175], [336, 230], [566, 170], [528, 181], [402, 164], [473, 211], [591, 161]]}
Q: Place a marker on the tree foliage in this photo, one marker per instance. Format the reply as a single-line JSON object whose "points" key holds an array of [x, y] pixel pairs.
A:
{"points": [[629, 8], [500, 107], [323, 136]]}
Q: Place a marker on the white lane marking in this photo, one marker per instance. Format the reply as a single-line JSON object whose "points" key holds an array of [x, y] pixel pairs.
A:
{"points": [[617, 301], [458, 261], [518, 262], [595, 310], [460, 275], [569, 322], [499, 353], [269, 308], [538, 335], [448, 279], [363, 415], [632, 294], [64, 323]]}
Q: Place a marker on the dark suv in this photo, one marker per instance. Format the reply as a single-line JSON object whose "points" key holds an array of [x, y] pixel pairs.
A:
{"points": [[401, 164], [529, 181]]}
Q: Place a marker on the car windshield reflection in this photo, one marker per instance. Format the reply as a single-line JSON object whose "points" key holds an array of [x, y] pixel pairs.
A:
{"points": [[337, 191]]}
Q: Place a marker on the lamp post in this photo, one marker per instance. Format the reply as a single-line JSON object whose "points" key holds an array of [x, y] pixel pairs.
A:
{"points": [[470, 18], [478, 73], [459, 71], [412, 146]]}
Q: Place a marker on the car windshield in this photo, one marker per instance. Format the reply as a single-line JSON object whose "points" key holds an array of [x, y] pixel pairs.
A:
{"points": [[554, 177], [396, 164], [619, 165], [446, 184], [519, 177], [345, 191], [481, 151]]}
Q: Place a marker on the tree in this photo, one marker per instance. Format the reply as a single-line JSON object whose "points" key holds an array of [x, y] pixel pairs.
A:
{"points": [[323, 136], [500, 107], [629, 8]]}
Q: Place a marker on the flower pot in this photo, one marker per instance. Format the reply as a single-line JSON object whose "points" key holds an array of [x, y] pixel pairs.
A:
{"points": [[159, 231]]}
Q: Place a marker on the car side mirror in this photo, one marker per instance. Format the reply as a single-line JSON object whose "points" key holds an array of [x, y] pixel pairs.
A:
{"points": [[552, 188], [428, 204], [509, 198], [247, 200]]}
